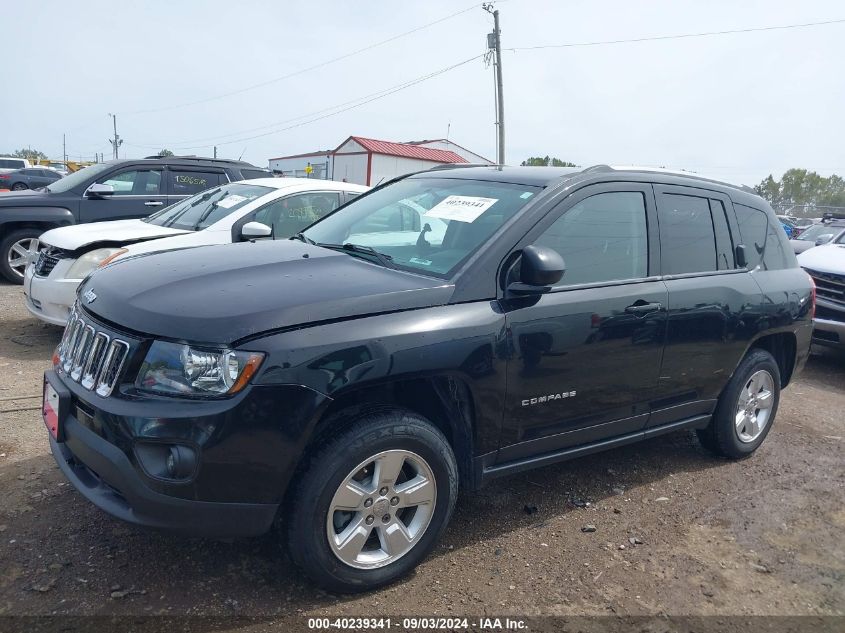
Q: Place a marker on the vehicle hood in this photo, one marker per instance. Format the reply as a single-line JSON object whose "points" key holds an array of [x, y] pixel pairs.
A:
{"points": [[118, 231], [221, 294], [27, 196], [828, 258], [799, 246], [189, 239]]}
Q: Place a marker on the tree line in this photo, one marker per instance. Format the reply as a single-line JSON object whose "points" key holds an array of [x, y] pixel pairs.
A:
{"points": [[803, 188]]}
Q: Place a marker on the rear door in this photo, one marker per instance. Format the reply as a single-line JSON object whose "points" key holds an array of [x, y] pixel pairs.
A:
{"points": [[585, 357], [713, 304], [138, 192]]}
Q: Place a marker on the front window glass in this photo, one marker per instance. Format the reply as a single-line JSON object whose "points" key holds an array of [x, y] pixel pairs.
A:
{"points": [[428, 225], [204, 209], [289, 215], [79, 177], [601, 238], [137, 182]]}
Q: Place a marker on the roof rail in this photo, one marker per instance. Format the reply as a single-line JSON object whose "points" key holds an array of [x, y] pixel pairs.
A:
{"points": [[460, 166], [197, 158]]}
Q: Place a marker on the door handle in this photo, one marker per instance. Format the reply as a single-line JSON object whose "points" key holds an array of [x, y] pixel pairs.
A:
{"points": [[151, 203], [640, 308]]}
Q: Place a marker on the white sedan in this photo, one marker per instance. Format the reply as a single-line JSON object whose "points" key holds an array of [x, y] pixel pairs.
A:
{"points": [[273, 208]]}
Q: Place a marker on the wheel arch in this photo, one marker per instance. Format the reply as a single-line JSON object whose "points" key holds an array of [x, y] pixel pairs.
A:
{"points": [[783, 346], [445, 400]]}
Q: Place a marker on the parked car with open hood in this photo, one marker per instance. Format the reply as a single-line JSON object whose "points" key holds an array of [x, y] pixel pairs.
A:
{"points": [[350, 386], [117, 189], [274, 208]]}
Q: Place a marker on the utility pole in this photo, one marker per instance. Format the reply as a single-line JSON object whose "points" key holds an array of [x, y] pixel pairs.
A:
{"points": [[494, 42], [215, 151], [117, 142], [64, 150]]}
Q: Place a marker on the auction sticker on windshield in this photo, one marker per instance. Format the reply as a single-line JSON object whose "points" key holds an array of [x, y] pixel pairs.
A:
{"points": [[230, 201], [461, 208]]}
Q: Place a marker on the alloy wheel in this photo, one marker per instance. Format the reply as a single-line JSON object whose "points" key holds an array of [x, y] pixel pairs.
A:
{"points": [[381, 509], [754, 406], [18, 255]]}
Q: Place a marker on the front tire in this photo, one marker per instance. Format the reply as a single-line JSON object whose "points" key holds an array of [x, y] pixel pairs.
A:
{"points": [[13, 253], [19, 186], [372, 502], [746, 409]]}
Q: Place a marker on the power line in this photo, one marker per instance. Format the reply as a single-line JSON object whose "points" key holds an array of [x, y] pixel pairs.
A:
{"points": [[332, 111], [679, 36], [304, 70]]}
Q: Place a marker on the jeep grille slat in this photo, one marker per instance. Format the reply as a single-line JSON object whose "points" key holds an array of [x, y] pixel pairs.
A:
{"points": [[90, 357]]}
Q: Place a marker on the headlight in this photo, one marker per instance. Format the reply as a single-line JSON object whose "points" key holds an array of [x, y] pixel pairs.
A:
{"points": [[181, 369], [90, 260]]}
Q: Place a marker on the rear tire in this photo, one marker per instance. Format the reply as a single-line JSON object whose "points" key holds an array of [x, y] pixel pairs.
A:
{"points": [[394, 477], [747, 408], [12, 257], [19, 186]]}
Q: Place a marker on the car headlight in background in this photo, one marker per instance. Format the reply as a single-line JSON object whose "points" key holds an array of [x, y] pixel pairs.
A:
{"points": [[173, 368], [91, 260]]}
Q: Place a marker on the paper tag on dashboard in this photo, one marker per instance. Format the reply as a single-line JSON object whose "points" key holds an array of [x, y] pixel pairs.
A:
{"points": [[460, 208], [230, 201]]}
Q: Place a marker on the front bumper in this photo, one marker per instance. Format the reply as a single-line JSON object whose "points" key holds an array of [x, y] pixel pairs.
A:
{"points": [[102, 473], [50, 298], [247, 448]]}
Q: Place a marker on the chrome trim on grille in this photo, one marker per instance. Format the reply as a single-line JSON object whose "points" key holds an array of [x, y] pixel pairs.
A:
{"points": [[111, 367], [91, 358]]}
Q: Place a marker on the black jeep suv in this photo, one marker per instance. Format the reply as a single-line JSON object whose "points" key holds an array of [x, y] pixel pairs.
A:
{"points": [[113, 190], [445, 329]]}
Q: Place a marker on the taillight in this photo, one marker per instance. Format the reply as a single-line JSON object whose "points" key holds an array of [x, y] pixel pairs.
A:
{"points": [[4, 176], [812, 297]]}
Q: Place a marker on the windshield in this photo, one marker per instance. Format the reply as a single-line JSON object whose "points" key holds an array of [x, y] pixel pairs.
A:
{"points": [[428, 225], [78, 177], [817, 230], [204, 209]]}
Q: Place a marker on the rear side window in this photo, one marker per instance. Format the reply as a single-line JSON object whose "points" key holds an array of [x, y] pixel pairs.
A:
{"points": [[11, 163], [778, 255], [724, 244], [601, 238], [187, 183], [687, 237], [752, 228]]}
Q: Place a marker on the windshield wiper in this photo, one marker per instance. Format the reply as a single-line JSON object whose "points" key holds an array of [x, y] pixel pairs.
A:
{"points": [[384, 260], [303, 238]]}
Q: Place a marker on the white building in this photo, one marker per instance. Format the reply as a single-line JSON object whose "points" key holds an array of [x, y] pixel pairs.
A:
{"points": [[368, 161]]}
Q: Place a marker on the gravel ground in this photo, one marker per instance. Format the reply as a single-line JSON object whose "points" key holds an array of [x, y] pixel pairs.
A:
{"points": [[676, 531]]}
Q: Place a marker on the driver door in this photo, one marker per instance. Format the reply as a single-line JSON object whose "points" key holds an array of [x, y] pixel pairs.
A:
{"points": [[138, 192]]}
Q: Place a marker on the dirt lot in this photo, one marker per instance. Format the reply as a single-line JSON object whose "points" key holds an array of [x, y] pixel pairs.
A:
{"points": [[677, 531]]}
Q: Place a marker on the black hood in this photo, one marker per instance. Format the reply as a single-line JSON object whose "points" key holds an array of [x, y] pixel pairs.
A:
{"points": [[14, 198], [221, 294]]}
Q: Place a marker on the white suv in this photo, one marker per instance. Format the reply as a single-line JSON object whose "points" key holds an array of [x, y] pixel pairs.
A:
{"points": [[8, 163], [270, 208], [826, 265]]}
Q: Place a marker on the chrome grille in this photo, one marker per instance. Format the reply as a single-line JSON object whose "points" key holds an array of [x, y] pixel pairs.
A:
{"points": [[91, 358], [829, 286], [47, 260]]}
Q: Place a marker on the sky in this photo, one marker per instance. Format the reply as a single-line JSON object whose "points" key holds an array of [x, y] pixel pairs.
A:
{"points": [[188, 74]]}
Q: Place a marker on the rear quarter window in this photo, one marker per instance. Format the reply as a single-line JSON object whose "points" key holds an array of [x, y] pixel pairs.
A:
{"points": [[766, 244]]}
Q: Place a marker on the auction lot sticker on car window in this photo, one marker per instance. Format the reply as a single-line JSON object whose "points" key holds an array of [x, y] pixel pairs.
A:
{"points": [[230, 201], [461, 208]]}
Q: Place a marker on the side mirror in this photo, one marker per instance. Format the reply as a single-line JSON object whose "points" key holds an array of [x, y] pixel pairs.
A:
{"points": [[739, 255], [824, 238], [251, 230], [99, 190], [540, 269]]}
